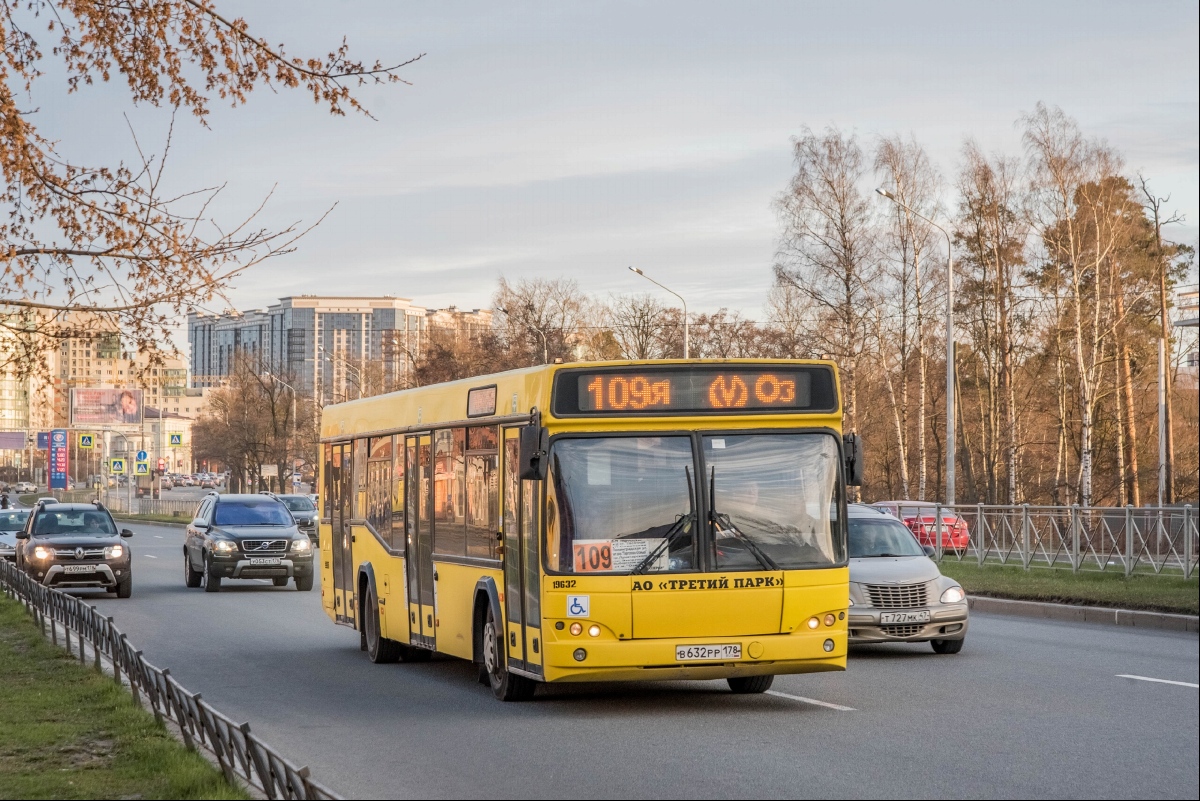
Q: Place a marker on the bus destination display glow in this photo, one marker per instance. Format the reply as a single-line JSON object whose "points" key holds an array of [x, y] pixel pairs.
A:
{"points": [[705, 390]]}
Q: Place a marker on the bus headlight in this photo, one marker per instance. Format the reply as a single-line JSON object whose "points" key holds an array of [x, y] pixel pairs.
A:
{"points": [[577, 629], [594, 630], [953, 595], [813, 622]]}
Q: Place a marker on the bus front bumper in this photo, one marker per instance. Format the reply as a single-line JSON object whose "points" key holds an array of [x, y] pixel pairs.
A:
{"points": [[651, 660]]}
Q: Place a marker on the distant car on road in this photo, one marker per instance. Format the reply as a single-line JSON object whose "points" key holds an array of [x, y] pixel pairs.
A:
{"points": [[25, 487], [11, 521], [305, 512], [187, 481], [207, 482], [245, 537], [897, 593], [921, 519], [75, 545]]}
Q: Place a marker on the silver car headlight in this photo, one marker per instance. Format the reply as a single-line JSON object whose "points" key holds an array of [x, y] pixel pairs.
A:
{"points": [[953, 595]]}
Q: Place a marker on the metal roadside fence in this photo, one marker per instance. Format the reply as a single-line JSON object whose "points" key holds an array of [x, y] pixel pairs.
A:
{"points": [[1144, 540], [119, 502], [241, 755]]}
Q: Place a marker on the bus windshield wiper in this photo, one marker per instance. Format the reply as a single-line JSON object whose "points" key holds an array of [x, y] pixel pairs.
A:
{"points": [[722, 522], [677, 528]]}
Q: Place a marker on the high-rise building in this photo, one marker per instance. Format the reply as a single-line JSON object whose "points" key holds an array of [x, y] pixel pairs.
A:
{"points": [[332, 348]]}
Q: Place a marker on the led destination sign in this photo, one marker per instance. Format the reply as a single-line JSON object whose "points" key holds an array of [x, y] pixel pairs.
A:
{"points": [[704, 389]]}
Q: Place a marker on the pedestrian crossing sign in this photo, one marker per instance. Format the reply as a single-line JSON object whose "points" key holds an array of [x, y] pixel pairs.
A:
{"points": [[142, 468], [116, 466], [86, 440], [176, 440]]}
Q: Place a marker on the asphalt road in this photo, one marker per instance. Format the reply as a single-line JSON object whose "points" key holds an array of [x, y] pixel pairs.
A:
{"points": [[1028, 709]]}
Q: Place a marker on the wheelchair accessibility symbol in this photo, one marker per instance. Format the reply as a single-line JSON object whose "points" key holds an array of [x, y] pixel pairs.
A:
{"points": [[577, 605]]}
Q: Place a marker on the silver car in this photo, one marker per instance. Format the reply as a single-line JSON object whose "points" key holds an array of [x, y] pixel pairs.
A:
{"points": [[897, 593]]}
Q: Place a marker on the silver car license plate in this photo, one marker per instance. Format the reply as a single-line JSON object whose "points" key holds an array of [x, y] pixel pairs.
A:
{"points": [[706, 653], [265, 560], [79, 568], [904, 617]]}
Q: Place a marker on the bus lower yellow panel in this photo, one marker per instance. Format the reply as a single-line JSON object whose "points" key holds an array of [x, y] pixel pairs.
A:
{"points": [[711, 605], [456, 605], [814, 592]]}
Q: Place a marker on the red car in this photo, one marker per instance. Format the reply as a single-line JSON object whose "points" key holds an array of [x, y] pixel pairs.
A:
{"points": [[920, 518]]}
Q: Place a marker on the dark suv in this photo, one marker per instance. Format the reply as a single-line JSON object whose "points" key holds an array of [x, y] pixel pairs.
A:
{"points": [[75, 545], [245, 537]]}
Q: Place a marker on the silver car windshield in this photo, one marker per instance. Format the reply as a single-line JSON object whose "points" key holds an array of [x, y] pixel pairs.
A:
{"points": [[881, 537], [775, 500]]}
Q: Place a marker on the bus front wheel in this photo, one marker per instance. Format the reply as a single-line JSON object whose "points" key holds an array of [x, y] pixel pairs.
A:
{"points": [[745, 685], [505, 686]]}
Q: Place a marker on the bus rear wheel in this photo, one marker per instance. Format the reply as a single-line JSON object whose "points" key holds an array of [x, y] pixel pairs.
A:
{"points": [[380, 649], [746, 685], [505, 686]]}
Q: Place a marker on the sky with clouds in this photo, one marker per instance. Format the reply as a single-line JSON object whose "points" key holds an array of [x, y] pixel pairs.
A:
{"points": [[547, 139]]}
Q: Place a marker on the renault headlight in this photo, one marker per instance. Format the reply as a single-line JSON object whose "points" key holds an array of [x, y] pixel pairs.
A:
{"points": [[42, 552], [225, 546], [302, 545], [114, 552], [953, 595]]}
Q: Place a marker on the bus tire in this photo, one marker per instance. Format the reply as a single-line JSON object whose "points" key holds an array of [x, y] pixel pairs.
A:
{"points": [[748, 685], [505, 686], [380, 649]]}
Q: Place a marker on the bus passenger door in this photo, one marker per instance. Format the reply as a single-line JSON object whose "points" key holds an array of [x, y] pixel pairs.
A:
{"points": [[419, 564], [343, 561], [522, 584]]}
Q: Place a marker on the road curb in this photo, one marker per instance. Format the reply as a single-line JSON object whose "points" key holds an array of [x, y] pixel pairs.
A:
{"points": [[1085, 614]]}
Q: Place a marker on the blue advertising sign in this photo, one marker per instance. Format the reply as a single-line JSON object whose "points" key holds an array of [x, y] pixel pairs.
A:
{"points": [[43, 440], [59, 459]]}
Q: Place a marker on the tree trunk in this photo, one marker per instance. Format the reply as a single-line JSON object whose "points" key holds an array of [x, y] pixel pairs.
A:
{"points": [[1128, 422]]}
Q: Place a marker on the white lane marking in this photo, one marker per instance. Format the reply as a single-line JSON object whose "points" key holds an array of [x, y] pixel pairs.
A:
{"points": [[150, 556], [1158, 681], [157, 537], [812, 701]]}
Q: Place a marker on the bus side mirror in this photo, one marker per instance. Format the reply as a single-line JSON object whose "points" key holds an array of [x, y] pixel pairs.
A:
{"points": [[535, 451], [852, 447]]}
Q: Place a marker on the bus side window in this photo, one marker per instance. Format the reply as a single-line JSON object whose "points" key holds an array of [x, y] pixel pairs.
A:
{"points": [[483, 492], [327, 472], [398, 497]]}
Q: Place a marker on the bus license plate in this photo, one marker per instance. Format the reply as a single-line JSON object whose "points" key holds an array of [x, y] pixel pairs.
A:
{"points": [[905, 617], [705, 653], [265, 560], [79, 568]]}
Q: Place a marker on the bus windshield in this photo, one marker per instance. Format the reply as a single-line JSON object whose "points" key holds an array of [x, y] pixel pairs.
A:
{"points": [[624, 504], [628, 504], [774, 500]]}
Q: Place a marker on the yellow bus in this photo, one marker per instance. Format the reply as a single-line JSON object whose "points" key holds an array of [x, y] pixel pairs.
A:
{"points": [[605, 521]]}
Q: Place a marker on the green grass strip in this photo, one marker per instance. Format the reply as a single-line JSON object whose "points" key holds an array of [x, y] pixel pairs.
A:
{"points": [[1173, 594], [69, 732]]}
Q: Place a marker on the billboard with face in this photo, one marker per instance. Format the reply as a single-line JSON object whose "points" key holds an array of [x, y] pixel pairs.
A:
{"points": [[101, 407]]}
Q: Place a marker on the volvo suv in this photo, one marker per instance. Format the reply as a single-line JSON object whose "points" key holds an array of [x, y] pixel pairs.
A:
{"points": [[75, 545], [246, 537]]}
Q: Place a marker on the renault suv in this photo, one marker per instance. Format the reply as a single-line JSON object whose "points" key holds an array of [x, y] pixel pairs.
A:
{"points": [[75, 545], [897, 593], [246, 537]]}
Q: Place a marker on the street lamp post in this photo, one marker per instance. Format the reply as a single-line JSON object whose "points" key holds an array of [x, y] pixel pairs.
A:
{"points": [[345, 363], [687, 344], [950, 441]]}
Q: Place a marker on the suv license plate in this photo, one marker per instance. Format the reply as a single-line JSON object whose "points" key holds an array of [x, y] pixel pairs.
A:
{"points": [[705, 653], [905, 617], [79, 568], [265, 560]]}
